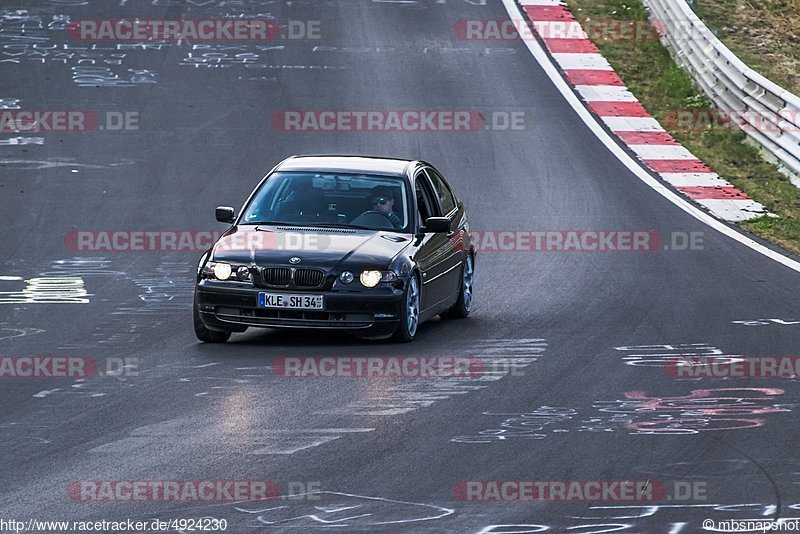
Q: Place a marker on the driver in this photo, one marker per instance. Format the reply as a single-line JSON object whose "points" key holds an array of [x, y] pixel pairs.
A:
{"points": [[383, 202]]}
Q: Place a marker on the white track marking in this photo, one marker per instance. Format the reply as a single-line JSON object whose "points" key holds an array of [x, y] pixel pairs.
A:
{"points": [[45, 393], [695, 179], [633, 124], [541, 2], [576, 61], [662, 152], [282, 447], [733, 210], [605, 93]]}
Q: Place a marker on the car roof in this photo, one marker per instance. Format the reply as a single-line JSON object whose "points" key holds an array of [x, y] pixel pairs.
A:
{"points": [[346, 164]]}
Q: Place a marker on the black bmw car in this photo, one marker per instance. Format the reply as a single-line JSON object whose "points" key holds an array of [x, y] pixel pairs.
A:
{"points": [[362, 244]]}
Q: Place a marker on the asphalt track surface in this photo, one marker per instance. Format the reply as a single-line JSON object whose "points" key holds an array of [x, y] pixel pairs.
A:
{"points": [[378, 455]]}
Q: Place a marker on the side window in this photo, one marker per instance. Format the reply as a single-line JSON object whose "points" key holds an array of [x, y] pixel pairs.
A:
{"points": [[446, 199], [427, 208]]}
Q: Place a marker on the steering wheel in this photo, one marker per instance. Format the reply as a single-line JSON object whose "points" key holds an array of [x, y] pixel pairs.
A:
{"points": [[369, 218], [376, 211]]}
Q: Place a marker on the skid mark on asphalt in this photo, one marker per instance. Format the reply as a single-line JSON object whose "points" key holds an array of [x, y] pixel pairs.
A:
{"points": [[44, 290], [112, 334], [639, 413], [768, 322], [701, 410], [162, 293], [169, 291], [21, 141], [92, 388], [28, 433], [176, 436], [501, 358], [344, 510], [321, 509], [64, 282], [653, 518], [56, 163], [14, 103], [663, 355], [11, 333]]}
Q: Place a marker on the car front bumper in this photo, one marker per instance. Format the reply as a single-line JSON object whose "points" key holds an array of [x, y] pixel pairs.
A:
{"points": [[230, 306]]}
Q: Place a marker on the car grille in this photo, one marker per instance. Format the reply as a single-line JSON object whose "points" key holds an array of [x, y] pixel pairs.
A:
{"points": [[308, 277], [284, 276], [276, 276]]}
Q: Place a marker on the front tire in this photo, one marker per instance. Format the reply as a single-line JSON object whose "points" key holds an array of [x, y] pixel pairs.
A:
{"points": [[463, 305], [204, 334], [409, 318]]}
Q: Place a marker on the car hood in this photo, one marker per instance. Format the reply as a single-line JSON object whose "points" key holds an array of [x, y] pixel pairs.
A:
{"points": [[316, 247]]}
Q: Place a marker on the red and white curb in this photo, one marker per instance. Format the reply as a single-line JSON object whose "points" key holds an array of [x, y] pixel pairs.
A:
{"points": [[607, 97]]}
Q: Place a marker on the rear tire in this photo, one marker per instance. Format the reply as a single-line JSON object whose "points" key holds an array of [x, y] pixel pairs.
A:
{"points": [[463, 305], [409, 318], [204, 334]]}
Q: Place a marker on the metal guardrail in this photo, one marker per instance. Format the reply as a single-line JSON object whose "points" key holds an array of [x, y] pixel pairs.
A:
{"points": [[767, 113]]}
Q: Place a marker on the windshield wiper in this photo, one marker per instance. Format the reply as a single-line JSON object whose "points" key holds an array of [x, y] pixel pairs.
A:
{"points": [[340, 225], [311, 225]]}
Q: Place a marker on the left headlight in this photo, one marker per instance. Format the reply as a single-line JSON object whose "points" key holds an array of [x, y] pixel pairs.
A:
{"points": [[226, 271], [373, 278], [222, 271]]}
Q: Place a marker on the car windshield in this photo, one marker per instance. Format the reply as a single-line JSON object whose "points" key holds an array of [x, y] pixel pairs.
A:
{"points": [[322, 199]]}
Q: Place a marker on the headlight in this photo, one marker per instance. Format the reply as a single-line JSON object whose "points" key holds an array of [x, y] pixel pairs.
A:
{"points": [[243, 274], [373, 278], [226, 271], [222, 271], [346, 277], [370, 278]]}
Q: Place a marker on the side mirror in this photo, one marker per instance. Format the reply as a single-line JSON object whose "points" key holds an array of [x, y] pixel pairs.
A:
{"points": [[225, 214], [437, 225]]}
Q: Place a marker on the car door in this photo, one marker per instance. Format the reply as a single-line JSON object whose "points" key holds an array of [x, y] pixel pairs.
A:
{"points": [[454, 254], [435, 256]]}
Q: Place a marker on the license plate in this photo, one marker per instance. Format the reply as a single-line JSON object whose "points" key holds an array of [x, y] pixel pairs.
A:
{"points": [[287, 301]]}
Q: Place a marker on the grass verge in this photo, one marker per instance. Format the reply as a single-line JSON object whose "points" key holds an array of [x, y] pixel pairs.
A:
{"points": [[647, 69], [765, 34]]}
